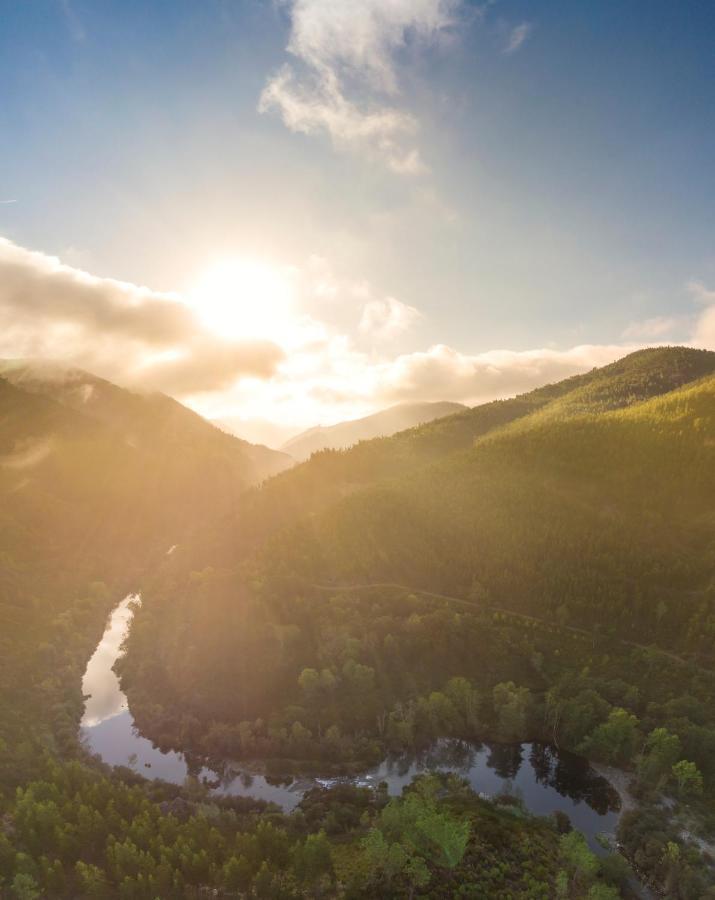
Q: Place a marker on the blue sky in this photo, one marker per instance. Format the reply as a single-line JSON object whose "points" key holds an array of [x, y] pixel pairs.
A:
{"points": [[518, 175]]}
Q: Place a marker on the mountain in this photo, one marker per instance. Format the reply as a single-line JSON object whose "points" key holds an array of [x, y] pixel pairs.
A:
{"points": [[608, 484], [587, 503], [332, 475], [381, 424], [257, 431], [97, 481], [138, 419], [567, 537]]}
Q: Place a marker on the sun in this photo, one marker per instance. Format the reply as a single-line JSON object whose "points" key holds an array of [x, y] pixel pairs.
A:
{"points": [[243, 298]]}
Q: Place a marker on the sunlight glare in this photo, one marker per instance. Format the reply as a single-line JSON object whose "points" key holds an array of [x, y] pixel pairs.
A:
{"points": [[242, 298]]}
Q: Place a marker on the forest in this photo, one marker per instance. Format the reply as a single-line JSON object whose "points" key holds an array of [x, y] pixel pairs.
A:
{"points": [[538, 568], [568, 538]]}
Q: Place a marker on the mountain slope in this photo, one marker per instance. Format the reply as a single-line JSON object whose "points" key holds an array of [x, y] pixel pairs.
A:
{"points": [[315, 485], [381, 424], [96, 484], [554, 580], [139, 418], [599, 519]]}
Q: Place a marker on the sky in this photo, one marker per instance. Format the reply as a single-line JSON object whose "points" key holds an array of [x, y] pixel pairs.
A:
{"points": [[292, 212]]}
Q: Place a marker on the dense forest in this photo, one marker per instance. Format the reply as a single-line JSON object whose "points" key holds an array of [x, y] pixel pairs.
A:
{"points": [[535, 568]]}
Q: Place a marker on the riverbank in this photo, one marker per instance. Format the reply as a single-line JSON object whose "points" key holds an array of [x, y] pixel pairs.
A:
{"points": [[620, 780]]}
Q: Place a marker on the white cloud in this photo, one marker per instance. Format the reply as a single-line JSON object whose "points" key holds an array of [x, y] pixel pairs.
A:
{"points": [[518, 35], [116, 329], [385, 319], [443, 373], [345, 52], [313, 370], [704, 332]]}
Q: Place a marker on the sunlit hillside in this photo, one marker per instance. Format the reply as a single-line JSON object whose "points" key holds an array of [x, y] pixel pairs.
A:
{"points": [[357, 450]]}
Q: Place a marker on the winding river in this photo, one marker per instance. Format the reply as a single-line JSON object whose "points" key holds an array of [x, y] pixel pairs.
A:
{"points": [[543, 777]]}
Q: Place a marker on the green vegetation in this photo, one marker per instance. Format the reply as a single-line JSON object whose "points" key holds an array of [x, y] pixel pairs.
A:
{"points": [[537, 568], [569, 534]]}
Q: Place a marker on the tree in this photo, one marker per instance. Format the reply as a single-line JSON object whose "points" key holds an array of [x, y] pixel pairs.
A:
{"points": [[689, 778], [92, 880], [580, 862], [466, 701], [386, 859], [603, 892], [313, 859], [24, 887], [309, 683], [661, 752], [615, 740], [237, 873], [437, 834], [512, 705]]}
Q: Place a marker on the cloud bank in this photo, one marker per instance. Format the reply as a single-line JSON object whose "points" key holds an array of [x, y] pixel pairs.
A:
{"points": [[303, 371], [118, 330], [345, 69]]}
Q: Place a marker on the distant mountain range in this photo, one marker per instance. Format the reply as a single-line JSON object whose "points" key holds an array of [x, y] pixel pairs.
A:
{"points": [[381, 424]]}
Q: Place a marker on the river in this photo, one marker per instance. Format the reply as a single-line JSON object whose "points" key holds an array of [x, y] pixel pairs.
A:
{"points": [[543, 777]]}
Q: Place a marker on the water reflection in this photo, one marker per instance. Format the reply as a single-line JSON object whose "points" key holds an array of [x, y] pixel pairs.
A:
{"points": [[544, 778], [572, 777], [100, 685], [505, 759]]}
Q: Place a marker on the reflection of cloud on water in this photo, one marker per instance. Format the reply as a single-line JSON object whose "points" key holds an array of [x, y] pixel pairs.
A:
{"points": [[100, 684]]}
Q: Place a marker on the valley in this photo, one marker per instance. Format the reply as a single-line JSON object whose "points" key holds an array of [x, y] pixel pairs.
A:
{"points": [[500, 595]]}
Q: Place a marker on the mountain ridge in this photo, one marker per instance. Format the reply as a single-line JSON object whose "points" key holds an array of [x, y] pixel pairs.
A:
{"points": [[384, 423]]}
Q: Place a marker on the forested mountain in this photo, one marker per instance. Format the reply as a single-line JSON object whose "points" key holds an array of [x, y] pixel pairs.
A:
{"points": [[600, 520], [331, 475], [567, 537], [96, 483], [141, 419], [381, 424], [559, 533]]}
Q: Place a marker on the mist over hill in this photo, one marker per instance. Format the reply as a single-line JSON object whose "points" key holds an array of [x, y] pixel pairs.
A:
{"points": [[381, 424], [138, 418]]}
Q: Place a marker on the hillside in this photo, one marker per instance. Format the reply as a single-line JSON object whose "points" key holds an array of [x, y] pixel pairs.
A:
{"points": [[602, 520], [329, 476], [598, 520], [536, 569], [564, 530], [381, 424], [96, 484], [139, 418]]}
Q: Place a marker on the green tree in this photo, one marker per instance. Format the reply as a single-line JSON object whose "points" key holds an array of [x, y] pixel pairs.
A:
{"points": [[24, 887], [313, 858], [660, 754], [581, 863], [603, 892], [615, 740], [92, 880], [688, 778], [512, 705]]}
